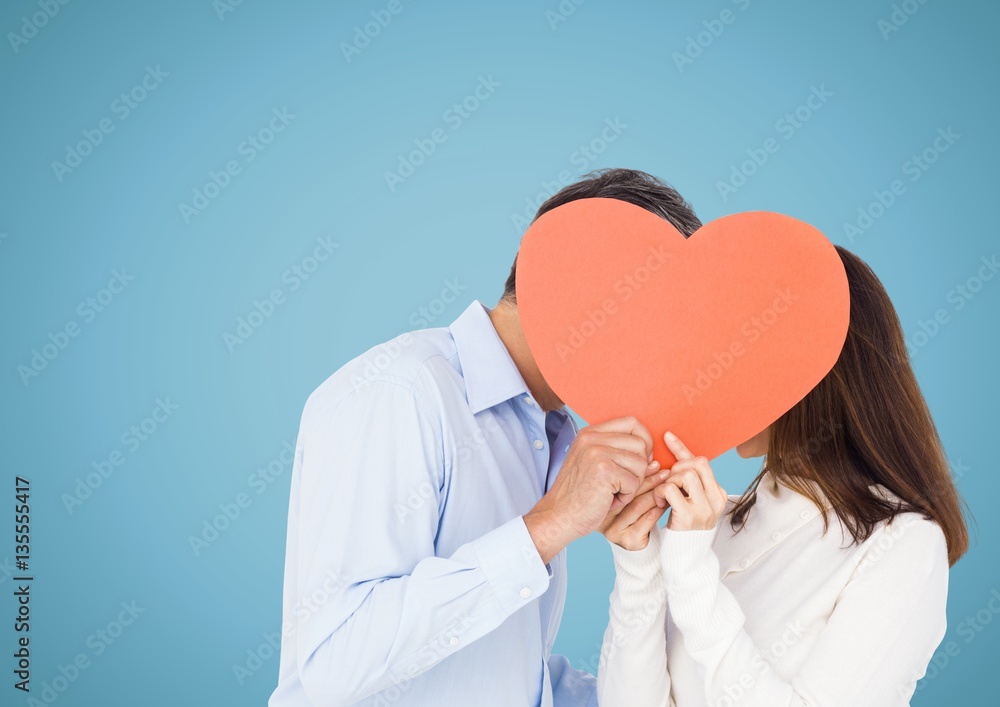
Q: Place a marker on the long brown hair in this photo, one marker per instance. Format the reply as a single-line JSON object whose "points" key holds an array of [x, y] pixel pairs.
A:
{"points": [[866, 423]]}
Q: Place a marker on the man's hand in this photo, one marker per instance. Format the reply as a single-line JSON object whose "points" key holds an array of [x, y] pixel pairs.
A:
{"points": [[603, 470]]}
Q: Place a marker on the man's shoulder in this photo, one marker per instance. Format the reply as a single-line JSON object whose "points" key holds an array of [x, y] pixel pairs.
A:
{"points": [[412, 361]]}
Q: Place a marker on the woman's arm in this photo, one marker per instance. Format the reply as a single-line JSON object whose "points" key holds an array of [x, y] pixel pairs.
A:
{"points": [[633, 665], [877, 643]]}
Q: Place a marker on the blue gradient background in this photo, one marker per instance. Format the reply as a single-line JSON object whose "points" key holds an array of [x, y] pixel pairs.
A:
{"points": [[324, 176]]}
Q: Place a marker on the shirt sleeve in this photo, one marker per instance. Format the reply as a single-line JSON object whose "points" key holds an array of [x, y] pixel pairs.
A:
{"points": [[633, 666], [877, 642], [571, 687], [376, 607]]}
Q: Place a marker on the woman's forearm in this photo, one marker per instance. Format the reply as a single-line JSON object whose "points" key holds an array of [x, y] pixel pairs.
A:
{"points": [[633, 666]]}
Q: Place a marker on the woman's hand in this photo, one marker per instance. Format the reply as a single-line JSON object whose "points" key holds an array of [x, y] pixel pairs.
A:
{"points": [[696, 499], [630, 526]]}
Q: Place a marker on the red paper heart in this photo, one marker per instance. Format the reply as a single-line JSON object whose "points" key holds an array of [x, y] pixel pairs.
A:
{"points": [[712, 337]]}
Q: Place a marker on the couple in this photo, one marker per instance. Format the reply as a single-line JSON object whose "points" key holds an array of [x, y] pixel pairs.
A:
{"points": [[438, 480]]}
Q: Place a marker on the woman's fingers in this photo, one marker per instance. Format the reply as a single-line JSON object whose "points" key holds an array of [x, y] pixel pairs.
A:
{"points": [[715, 493], [635, 509], [694, 495], [631, 527], [690, 482], [675, 498], [648, 520], [723, 498], [677, 447], [686, 461]]}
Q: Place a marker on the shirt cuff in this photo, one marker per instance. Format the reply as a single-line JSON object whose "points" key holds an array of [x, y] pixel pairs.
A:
{"points": [[703, 609], [638, 567], [512, 565], [685, 550]]}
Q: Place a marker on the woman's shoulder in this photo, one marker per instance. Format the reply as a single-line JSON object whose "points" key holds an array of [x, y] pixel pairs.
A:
{"points": [[908, 542]]}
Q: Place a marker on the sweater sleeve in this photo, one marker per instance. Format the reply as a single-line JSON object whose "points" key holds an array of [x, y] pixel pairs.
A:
{"points": [[877, 642], [633, 666]]}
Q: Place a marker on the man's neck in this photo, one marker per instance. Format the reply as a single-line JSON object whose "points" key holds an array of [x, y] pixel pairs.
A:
{"points": [[507, 322]]}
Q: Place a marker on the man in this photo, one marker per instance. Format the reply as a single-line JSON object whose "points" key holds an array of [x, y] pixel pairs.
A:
{"points": [[437, 482]]}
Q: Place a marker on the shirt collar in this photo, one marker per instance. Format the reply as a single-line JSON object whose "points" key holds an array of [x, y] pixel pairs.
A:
{"points": [[778, 512], [490, 374]]}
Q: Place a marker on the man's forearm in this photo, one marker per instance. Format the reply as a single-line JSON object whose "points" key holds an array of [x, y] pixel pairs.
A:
{"points": [[479, 586]]}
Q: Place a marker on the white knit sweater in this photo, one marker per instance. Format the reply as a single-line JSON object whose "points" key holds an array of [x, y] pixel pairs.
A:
{"points": [[777, 614]]}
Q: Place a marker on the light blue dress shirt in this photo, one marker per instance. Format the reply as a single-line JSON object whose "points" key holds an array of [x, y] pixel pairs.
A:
{"points": [[410, 577]]}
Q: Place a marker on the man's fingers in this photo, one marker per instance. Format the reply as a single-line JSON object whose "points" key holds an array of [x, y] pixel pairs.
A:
{"points": [[629, 426], [677, 447], [625, 484], [632, 463], [625, 442]]}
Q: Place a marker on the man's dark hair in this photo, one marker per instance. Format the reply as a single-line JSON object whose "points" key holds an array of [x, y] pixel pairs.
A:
{"points": [[629, 185]]}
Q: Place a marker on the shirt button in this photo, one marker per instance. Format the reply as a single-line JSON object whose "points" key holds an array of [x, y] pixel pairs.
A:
{"points": [[453, 640], [525, 592], [538, 444], [776, 537], [804, 514], [528, 399], [745, 562]]}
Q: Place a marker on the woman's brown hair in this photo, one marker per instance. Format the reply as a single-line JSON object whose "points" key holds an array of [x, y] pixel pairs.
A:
{"points": [[866, 423]]}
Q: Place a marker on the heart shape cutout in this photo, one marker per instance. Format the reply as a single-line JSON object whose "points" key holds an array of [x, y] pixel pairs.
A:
{"points": [[712, 337]]}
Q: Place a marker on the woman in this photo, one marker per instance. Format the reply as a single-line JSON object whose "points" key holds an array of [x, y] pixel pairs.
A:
{"points": [[825, 583]]}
